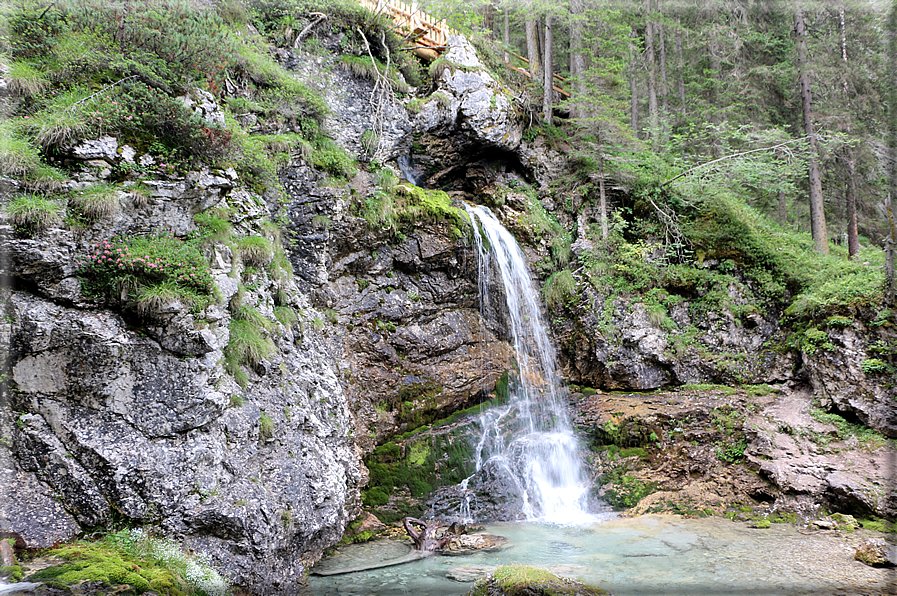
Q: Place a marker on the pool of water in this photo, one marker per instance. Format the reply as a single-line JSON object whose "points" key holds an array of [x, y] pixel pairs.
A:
{"points": [[644, 555]]}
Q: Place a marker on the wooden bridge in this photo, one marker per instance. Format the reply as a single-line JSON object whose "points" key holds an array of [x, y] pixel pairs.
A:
{"points": [[430, 35]]}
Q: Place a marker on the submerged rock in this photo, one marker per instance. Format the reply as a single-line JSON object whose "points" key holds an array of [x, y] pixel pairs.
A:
{"points": [[877, 552]]}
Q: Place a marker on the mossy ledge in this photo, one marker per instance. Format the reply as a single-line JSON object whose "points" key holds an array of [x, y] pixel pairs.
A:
{"points": [[520, 580]]}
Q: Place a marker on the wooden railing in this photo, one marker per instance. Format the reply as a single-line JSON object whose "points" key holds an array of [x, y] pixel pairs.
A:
{"points": [[416, 25], [430, 35]]}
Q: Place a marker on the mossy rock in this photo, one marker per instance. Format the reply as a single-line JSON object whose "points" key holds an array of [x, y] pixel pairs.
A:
{"points": [[11, 572], [519, 580], [108, 566]]}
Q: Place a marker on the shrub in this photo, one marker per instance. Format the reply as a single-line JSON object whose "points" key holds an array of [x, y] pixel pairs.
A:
{"points": [[874, 366], [161, 266], [333, 159], [32, 214]]}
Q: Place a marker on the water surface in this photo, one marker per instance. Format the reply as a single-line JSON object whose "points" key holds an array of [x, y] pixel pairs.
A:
{"points": [[646, 555]]}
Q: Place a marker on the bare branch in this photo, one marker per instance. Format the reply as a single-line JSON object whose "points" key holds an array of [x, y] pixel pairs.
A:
{"points": [[732, 156]]}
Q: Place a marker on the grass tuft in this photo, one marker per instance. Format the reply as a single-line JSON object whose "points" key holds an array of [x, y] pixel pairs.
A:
{"points": [[32, 214], [96, 202]]}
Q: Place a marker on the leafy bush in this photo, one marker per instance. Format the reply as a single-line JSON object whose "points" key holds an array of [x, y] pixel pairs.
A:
{"points": [[333, 159], [32, 214], [124, 269], [627, 490]]}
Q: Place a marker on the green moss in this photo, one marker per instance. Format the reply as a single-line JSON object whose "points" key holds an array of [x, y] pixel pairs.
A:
{"points": [[762, 523], [104, 562], [13, 573], [520, 580]]}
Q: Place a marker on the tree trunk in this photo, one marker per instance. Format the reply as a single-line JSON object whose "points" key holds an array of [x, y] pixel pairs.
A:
{"points": [[650, 59], [817, 207], [853, 243], [549, 72], [891, 243], [661, 46], [681, 64], [425, 538], [782, 207], [602, 196], [633, 83], [578, 63], [532, 49], [843, 27], [507, 35]]}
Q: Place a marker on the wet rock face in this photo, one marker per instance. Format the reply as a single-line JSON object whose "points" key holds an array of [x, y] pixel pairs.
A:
{"points": [[491, 495], [404, 310], [876, 552]]}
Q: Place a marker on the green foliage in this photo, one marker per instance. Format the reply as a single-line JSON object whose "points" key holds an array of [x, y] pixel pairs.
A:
{"points": [[285, 315], [214, 225], [731, 451], [266, 427], [627, 490], [255, 251], [125, 269], [391, 205], [414, 464], [32, 214], [333, 159], [519, 580], [559, 289], [13, 573], [248, 343], [815, 339], [95, 202], [845, 429], [874, 366], [141, 561]]}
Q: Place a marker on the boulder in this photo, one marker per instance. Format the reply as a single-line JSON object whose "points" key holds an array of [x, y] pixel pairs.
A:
{"points": [[876, 552]]}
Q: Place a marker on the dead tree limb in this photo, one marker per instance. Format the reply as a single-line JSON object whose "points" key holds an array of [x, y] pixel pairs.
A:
{"points": [[425, 539], [732, 156]]}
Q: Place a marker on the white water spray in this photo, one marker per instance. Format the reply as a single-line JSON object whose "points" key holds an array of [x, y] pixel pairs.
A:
{"points": [[531, 435]]}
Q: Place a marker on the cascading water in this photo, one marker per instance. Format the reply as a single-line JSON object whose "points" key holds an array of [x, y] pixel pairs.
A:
{"points": [[530, 437]]}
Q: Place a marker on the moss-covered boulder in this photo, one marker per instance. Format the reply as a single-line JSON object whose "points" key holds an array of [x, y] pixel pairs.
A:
{"points": [[519, 580]]}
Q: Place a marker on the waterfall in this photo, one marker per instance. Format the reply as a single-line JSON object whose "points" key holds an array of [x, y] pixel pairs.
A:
{"points": [[530, 437]]}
